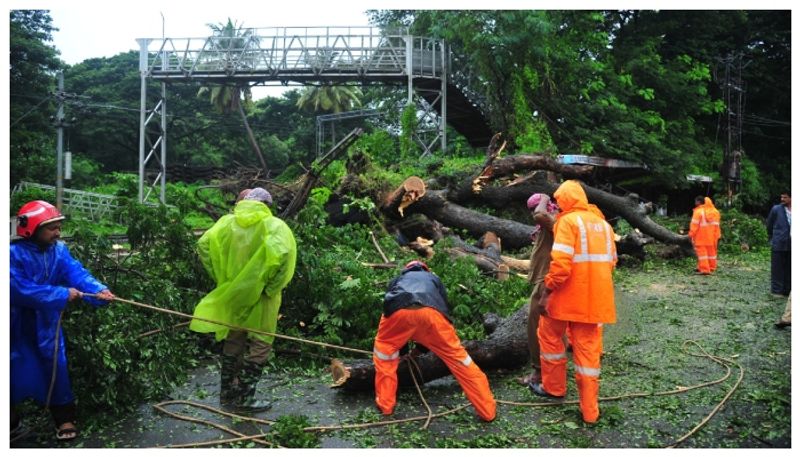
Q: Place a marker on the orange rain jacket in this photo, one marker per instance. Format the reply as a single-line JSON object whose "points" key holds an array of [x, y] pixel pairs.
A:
{"points": [[704, 229], [583, 257]]}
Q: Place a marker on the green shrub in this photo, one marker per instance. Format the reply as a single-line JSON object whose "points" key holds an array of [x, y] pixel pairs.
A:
{"points": [[113, 370], [740, 229], [288, 431], [381, 146], [32, 193], [408, 125]]}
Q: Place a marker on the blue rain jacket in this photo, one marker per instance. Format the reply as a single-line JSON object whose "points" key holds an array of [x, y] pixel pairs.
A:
{"points": [[40, 282]]}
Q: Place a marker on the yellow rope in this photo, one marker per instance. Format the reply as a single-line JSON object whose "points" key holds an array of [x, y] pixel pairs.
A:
{"points": [[257, 438], [413, 362], [236, 327], [721, 361]]}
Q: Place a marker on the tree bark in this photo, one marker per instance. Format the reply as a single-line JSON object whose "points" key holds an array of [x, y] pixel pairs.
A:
{"points": [[627, 207]]}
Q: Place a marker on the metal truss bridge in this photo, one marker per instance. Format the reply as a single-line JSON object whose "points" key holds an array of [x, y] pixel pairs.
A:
{"points": [[436, 83]]}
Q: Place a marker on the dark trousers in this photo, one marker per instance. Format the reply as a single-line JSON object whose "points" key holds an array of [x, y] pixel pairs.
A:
{"points": [[781, 272]]}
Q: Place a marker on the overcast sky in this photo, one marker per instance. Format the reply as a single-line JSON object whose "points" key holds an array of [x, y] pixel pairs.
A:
{"points": [[87, 31], [97, 28]]}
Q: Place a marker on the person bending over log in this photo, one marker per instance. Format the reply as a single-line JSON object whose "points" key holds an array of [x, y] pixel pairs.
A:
{"points": [[415, 308]]}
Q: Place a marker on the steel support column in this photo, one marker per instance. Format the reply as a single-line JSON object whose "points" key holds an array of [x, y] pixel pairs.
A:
{"points": [[443, 119], [160, 142], [143, 44]]}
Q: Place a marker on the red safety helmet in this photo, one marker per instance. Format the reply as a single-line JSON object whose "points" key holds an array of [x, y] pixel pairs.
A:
{"points": [[415, 263], [34, 214]]}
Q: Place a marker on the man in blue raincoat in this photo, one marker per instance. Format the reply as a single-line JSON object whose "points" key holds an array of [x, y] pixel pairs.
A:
{"points": [[44, 278], [251, 256]]}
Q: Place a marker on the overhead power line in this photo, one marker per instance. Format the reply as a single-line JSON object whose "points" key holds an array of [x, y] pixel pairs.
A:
{"points": [[30, 111]]}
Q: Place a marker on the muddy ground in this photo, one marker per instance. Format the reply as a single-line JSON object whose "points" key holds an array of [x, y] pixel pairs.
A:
{"points": [[660, 307]]}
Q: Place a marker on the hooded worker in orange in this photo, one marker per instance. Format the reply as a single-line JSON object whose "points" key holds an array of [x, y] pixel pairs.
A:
{"points": [[579, 296], [415, 308], [705, 233]]}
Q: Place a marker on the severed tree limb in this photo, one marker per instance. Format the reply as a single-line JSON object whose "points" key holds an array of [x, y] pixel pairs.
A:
{"points": [[517, 264], [378, 247], [492, 153], [412, 189], [312, 175], [515, 235], [384, 266]]}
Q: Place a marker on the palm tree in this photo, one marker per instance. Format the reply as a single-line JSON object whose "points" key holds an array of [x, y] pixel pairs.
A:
{"points": [[328, 98], [236, 97], [334, 99]]}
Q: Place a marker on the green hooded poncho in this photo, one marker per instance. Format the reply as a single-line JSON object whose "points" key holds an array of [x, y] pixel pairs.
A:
{"points": [[251, 255]]}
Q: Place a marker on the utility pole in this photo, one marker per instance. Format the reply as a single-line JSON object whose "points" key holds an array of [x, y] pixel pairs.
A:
{"points": [[59, 123], [733, 94]]}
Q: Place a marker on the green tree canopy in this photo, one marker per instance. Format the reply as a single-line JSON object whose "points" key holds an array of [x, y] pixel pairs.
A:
{"points": [[33, 66]]}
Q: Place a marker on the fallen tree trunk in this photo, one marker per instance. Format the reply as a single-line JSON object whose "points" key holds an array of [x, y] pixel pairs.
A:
{"points": [[627, 207], [435, 205], [514, 235]]}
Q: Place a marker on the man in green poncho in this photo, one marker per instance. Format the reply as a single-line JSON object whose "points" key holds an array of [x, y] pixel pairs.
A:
{"points": [[251, 255]]}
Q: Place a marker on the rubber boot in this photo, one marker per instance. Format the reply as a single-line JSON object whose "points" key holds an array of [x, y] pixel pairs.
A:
{"points": [[248, 379], [229, 388]]}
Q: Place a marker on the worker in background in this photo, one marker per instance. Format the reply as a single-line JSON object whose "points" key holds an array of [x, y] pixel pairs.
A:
{"points": [[579, 296], [704, 232], [44, 279], [415, 308], [251, 256], [779, 231], [543, 211]]}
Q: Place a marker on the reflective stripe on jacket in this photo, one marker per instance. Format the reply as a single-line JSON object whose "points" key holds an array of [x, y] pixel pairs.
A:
{"points": [[582, 261], [704, 229]]}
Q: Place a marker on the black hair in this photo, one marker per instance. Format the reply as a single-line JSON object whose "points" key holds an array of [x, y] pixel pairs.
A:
{"points": [[699, 199]]}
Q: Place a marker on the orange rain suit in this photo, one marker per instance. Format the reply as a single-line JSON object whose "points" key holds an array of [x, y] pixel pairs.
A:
{"points": [[705, 233], [430, 328], [581, 297]]}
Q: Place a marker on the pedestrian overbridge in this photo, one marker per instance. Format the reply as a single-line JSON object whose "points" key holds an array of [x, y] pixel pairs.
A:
{"points": [[432, 75]]}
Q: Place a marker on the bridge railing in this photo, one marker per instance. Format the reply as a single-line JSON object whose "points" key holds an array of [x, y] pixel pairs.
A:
{"points": [[293, 52], [91, 205]]}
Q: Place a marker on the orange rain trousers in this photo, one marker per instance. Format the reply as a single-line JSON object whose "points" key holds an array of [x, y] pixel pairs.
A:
{"points": [[587, 346], [431, 329], [706, 258]]}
